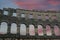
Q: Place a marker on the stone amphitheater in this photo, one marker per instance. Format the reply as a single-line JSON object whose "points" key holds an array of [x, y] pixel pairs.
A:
{"points": [[20, 24]]}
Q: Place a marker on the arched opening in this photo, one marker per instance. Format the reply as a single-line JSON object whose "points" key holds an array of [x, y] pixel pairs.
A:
{"points": [[13, 28], [48, 30], [39, 17], [14, 14], [30, 16], [40, 30], [23, 15], [56, 30], [22, 29], [5, 13], [4, 28], [31, 30]]}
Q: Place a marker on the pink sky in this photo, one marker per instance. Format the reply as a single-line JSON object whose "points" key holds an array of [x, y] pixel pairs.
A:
{"points": [[38, 4]]}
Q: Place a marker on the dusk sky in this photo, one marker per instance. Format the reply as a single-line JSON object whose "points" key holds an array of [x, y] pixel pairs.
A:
{"points": [[31, 4]]}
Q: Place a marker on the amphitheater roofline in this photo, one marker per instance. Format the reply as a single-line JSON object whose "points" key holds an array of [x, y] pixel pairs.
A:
{"points": [[41, 11]]}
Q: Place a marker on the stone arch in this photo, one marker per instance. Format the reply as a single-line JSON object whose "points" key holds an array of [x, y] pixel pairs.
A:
{"points": [[4, 28], [13, 28], [22, 29]]}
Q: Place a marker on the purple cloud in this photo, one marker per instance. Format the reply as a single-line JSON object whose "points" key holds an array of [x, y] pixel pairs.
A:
{"points": [[38, 4]]}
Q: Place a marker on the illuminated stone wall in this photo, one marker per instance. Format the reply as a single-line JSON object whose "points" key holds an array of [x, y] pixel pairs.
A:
{"points": [[14, 16], [17, 12]]}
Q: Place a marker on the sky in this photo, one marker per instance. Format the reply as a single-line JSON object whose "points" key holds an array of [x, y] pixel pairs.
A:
{"points": [[31, 4]]}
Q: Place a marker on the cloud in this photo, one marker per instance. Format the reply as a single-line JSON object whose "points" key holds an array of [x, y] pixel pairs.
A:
{"points": [[38, 4], [31, 4], [54, 2]]}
